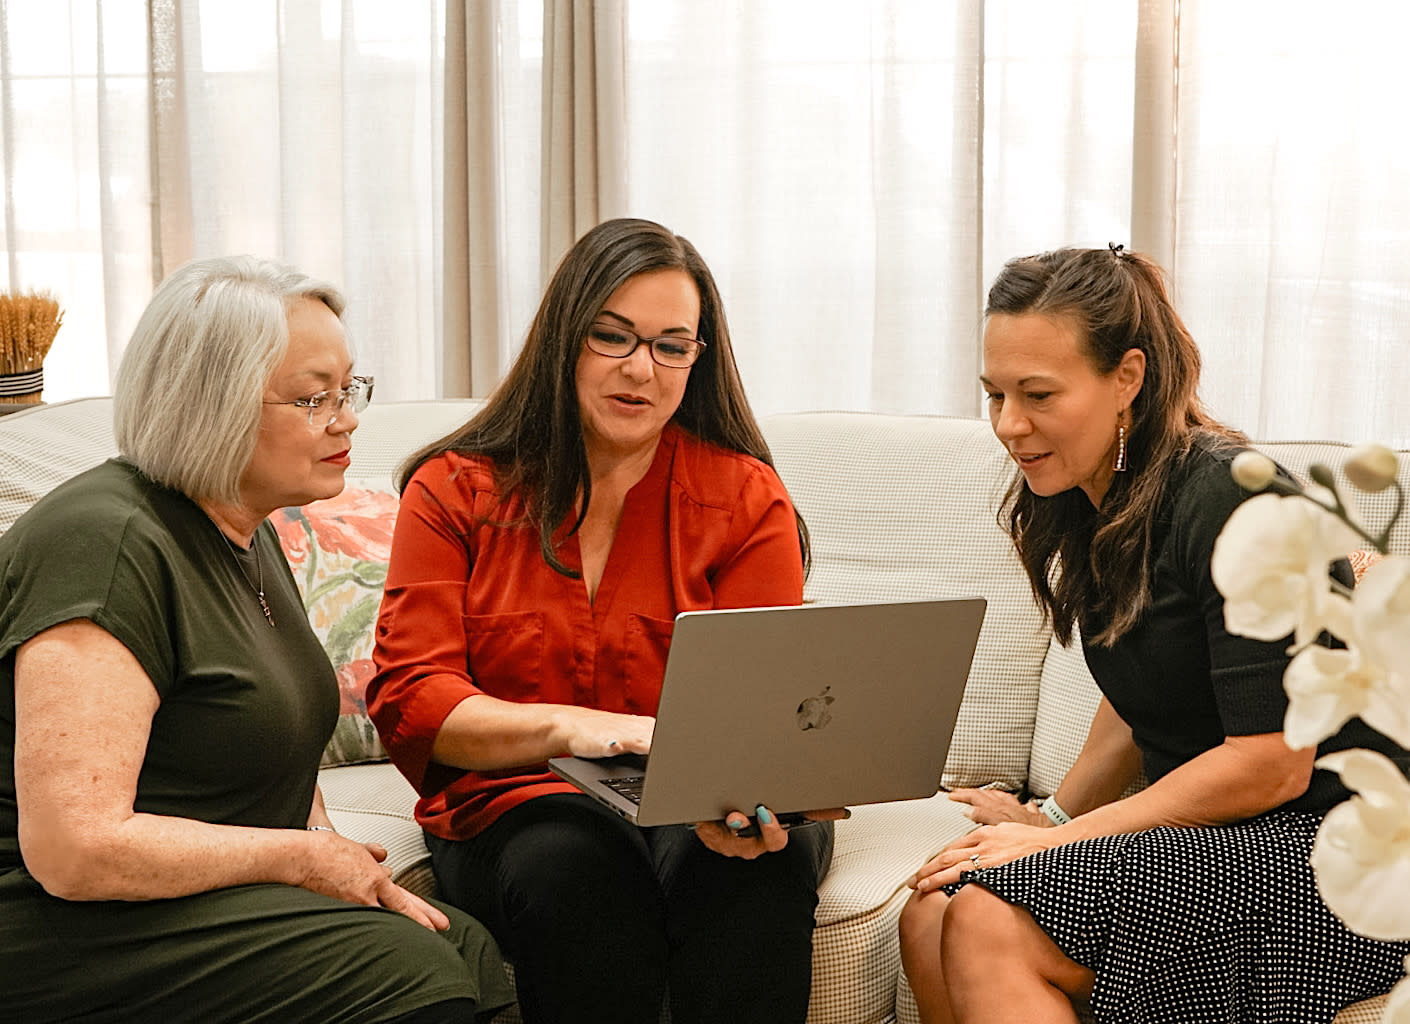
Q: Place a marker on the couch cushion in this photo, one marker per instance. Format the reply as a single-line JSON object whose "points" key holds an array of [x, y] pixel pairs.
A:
{"points": [[1368, 1011], [45, 445], [855, 950], [338, 551], [389, 432], [898, 527], [1067, 700], [374, 803]]}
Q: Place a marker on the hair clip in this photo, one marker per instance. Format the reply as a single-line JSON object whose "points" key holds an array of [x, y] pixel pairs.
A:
{"points": [[1116, 249]]}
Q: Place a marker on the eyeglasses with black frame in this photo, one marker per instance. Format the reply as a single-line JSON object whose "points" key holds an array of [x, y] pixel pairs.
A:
{"points": [[325, 407], [617, 342]]}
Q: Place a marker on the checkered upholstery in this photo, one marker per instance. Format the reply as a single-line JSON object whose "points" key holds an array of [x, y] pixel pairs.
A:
{"points": [[899, 507], [1067, 700], [44, 445]]}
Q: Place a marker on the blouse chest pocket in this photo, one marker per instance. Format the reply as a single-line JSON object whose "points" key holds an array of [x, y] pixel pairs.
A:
{"points": [[504, 654], [646, 643]]}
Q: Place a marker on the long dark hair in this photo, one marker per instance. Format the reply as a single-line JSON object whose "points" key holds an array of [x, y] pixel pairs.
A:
{"points": [[529, 426], [1078, 558]]}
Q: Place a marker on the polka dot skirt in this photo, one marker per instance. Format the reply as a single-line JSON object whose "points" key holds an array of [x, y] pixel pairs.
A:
{"points": [[1186, 926]]}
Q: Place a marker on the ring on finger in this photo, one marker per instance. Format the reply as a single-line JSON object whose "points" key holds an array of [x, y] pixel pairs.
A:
{"points": [[974, 859]]}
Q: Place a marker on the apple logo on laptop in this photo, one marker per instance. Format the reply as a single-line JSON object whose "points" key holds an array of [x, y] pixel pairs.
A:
{"points": [[813, 713]]}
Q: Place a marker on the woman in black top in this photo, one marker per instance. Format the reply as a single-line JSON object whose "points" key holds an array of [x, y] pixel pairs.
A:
{"points": [[1191, 900], [164, 852]]}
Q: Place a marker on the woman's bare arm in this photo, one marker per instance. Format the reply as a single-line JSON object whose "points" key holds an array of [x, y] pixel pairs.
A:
{"points": [[484, 733], [77, 762]]}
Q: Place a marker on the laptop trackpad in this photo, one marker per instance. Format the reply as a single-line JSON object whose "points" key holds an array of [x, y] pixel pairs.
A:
{"points": [[626, 762]]}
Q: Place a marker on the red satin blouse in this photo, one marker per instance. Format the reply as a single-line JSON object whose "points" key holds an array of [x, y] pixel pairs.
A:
{"points": [[471, 607]]}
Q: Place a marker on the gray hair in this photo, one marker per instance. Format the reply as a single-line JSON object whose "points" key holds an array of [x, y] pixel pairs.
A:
{"points": [[189, 393]]}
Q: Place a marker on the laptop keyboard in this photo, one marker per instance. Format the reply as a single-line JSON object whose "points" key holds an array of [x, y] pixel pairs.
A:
{"points": [[630, 786]]}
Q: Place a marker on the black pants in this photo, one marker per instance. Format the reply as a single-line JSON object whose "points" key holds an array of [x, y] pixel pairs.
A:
{"points": [[601, 918]]}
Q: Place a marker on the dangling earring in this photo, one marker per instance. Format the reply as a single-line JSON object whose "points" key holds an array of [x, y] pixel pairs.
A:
{"points": [[1120, 466]]}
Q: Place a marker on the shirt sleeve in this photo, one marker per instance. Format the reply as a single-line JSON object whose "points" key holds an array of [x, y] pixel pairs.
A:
{"points": [[1247, 675], [83, 557], [420, 652]]}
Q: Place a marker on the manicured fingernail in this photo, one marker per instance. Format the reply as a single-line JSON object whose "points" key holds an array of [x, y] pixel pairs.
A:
{"points": [[846, 813], [765, 818], [736, 823]]}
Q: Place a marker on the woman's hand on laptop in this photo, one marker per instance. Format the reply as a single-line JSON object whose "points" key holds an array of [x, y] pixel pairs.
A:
{"points": [[728, 837], [593, 733]]}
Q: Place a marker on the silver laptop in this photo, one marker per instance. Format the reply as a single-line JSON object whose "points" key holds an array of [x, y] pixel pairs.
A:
{"points": [[795, 708]]}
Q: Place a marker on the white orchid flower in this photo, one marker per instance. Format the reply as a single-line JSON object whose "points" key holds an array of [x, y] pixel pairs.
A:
{"points": [[1270, 563], [1362, 851], [1381, 611], [1371, 467], [1253, 471], [1327, 687]]}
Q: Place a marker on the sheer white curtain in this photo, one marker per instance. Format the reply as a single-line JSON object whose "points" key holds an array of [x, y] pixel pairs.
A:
{"points": [[855, 173], [311, 132], [823, 158], [1293, 244], [73, 127], [138, 134], [826, 157]]}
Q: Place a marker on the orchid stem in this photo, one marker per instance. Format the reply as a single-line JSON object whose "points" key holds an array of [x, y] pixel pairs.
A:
{"points": [[1381, 543]]}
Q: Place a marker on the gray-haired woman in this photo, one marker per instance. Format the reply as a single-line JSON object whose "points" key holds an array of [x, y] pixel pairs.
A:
{"points": [[164, 851]]}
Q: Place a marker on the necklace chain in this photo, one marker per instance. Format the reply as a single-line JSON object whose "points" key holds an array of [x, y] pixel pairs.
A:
{"points": [[258, 588]]}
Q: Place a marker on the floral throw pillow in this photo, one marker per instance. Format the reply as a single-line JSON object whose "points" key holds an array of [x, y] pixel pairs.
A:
{"points": [[338, 551]]}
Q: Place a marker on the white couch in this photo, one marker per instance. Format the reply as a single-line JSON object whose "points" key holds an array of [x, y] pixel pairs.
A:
{"points": [[899, 507]]}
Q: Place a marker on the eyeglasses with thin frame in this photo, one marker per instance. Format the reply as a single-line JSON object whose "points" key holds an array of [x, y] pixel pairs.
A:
{"points": [[325, 407], [668, 350]]}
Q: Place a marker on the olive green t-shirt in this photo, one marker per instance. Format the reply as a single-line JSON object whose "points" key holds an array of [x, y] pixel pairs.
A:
{"points": [[245, 708]]}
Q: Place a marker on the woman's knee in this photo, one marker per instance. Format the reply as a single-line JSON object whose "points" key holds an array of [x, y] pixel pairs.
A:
{"points": [[976, 920], [920, 926], [980, 925]]}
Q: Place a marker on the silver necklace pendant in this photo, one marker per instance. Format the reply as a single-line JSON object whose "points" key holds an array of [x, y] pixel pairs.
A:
{"points": [[259, 571], [264, 607], [258, 588]]}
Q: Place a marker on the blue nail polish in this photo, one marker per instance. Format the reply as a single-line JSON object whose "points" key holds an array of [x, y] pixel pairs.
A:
{"points": [[765, 818], [734, 825]]}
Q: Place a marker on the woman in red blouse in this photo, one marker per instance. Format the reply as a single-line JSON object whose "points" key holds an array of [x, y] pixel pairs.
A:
{"points": [[616, 478]]}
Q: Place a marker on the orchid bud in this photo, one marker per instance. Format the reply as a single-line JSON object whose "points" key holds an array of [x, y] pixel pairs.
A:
{"points": [[1320, 474], [1371, 467], [1253, 471]]}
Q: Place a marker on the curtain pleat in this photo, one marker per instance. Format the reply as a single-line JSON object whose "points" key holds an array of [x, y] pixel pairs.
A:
{"points": [[855, 174], [584, 153], [172, 194], [471, 317], [1153, 132]]}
